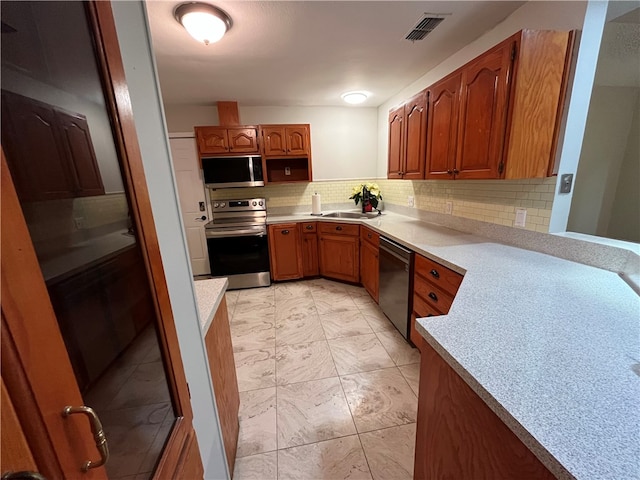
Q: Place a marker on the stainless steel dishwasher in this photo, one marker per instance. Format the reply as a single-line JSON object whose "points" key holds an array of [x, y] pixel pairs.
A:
{"points": [[395, 283]]}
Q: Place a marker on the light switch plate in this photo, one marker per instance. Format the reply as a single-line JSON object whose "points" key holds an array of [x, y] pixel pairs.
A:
{"points": [[521, 217], [566, 181], [410, 201], [448, 208], [287, 170]]}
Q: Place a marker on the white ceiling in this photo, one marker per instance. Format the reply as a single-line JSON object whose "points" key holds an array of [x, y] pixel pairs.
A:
{"points": [[284, 53]]}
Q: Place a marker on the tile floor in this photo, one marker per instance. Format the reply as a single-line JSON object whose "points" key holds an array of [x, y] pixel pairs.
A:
{"points": [[328, 387]]}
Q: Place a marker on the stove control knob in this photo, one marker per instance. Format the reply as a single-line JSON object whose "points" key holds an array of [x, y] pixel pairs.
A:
{"points": [[223, 205], [260, 203], [254, 203], [216, 205]]}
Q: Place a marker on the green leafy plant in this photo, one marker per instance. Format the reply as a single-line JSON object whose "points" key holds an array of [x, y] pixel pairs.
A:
{"points": [[364, 191]]}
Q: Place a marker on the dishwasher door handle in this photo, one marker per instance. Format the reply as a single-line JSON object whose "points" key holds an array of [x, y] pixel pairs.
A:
{"points": [[395, 255]]}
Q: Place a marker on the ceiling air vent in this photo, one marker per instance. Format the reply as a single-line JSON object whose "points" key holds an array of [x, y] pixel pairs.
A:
{"points": [[424, 27]]}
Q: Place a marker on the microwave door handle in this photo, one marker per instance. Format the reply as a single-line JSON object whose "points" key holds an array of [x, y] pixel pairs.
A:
{"points": [[251, 177], [235, 233]]}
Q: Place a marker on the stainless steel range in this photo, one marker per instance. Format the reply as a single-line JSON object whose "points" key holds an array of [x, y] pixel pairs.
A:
{"points": [[237, 242]]}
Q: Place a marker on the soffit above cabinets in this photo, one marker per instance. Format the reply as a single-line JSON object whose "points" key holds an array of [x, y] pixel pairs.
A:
{"points": [[288, 53]]}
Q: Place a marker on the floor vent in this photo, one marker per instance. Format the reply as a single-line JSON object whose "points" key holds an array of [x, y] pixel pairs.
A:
{"points": [[424, 27]]}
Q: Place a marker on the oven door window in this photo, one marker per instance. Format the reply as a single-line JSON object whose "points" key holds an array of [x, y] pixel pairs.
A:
{"points": [[238, 255]]}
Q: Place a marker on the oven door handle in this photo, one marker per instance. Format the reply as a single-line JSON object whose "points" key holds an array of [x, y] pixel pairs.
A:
{"points": [[235, 233]]}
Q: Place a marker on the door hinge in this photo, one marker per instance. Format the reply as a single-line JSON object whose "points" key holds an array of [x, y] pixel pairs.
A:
{"points": [[500, 167]]}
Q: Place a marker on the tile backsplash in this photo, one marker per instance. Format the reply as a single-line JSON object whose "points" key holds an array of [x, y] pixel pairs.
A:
{"points": [[493, 201]]}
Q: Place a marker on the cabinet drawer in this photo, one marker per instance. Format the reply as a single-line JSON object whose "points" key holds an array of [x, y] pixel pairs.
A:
{"points": [[308, 227], [339, 229], [368, 235], [422, 309], [436, 297], [444, 278]]}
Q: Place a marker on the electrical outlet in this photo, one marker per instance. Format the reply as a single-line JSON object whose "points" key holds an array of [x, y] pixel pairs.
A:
{"points": [[287, 170], [448, 208], [79, 221], [521, 217], [410, 201]]}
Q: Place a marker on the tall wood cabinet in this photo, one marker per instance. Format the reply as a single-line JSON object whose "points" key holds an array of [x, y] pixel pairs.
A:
{"points": [[285, 251], [49, 150], [310, 265], [407, 139]]}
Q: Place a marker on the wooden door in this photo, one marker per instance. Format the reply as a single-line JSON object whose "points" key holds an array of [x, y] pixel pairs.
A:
{"points": [[339, 257], [310, 267], [212, 140], [29, 133], [483, 114], [194, 202], [285, 250], [369, 263], [297, 140], [76, 139], [415, 115], [396, 143], [442, 132], [36, 363], [274, 141], [242, 140]]}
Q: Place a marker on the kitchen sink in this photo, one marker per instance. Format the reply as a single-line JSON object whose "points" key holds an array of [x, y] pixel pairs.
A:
{"points": [[350, 215]]}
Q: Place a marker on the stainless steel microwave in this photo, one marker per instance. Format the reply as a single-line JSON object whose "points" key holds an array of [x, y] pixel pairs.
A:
{"points": [[227, 172]]}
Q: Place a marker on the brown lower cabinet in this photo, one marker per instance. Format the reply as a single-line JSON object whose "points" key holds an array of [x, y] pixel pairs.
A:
{"points": [[339, 251], [225, 383], [285, 251], [370, 261], [459, 436], [310, 265]]}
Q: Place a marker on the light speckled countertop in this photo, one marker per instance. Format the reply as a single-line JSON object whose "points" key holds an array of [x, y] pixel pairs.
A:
{"points": [[209, 295], [547, 343]]}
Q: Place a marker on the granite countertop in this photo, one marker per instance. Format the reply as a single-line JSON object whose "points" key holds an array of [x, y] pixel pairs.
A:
{"points": [[209, 295], [550, 345]]}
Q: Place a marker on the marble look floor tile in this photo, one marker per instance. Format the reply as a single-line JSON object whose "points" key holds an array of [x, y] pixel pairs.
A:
{"points": [[295, 307], [398, 348], [390, 452], [364, 300], [255, 369], [341, 458], [147, 385], [259, 305], [375, 318], [100, 396], [299, 328], [311, 412], [324, 285], [257, 417], [344, 324], [263, 466], [249, 335], [330, 303], [267, 314], [359, 353], [290, 290], [304, 361], [411, 373], [155, 449], [380, 399]]}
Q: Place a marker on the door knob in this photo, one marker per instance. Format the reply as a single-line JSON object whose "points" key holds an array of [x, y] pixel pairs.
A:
{"points": [[98, 435], [203, 218]]}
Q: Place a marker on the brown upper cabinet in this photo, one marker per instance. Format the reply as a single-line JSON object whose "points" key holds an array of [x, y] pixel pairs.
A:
{"points": [[285, 140], [227, 140], [54, 148], [407, 139], [499, 115]]}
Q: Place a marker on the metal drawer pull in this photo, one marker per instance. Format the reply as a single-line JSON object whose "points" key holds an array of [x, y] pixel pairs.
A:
{"points": [[338, 228], [435, 273], [369, 235], [309, 227], [285, 232], [433, 296], [98, 435]]}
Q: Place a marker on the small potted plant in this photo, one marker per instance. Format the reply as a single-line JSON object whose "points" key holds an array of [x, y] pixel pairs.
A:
{"points": [[368, 194]]}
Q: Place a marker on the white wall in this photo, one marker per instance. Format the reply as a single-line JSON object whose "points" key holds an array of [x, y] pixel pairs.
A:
{"points": [[343, 139], [547, 15], [137, 56]]}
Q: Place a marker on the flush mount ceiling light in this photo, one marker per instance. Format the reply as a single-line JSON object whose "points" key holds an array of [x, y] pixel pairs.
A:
{"points": [[355, 98], [204, 22]]}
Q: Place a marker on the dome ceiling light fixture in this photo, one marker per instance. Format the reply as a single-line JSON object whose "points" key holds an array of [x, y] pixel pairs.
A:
{"points": [[204, 22], [354, 98]]}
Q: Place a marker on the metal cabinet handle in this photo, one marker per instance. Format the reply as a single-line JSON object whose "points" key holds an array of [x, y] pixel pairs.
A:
{"points": [[285, 232], [98, 435], [369, 235], [309, 227], [435, 273], [433, 296], [450, 172], [456, 171], [203, 218], [338, 228]]}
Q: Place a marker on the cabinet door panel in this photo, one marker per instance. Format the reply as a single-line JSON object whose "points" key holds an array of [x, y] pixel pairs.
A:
{"points": [[483, 114], [274, 141], [415, 113], [242, 140], [396, 142], [310, 267], [369, 274], [77, 141], [212, 140], [442, 137], [297, 143], [339, 257], [285, 251]]}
